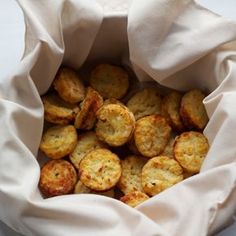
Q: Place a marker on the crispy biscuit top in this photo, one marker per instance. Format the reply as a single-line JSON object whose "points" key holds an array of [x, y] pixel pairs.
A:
{"points": [[69, 86], [57, 177], [160, 173], [151, 135], [115, 124], [145, 102], [59, 141], [110, 81], [100, 170], [190, 150]]}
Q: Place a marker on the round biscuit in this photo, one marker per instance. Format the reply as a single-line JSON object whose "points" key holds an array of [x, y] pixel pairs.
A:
{"points": [[86, 118], [115, 124], [170, 110], [59, 141], [192, 110], [57, 111], [58, 177], [68, 85], [190, 150], [100, 170], [151, 135], [110, 81], [130, 179], [145, 102], [87, 142], [160, 173], [135, 198]]}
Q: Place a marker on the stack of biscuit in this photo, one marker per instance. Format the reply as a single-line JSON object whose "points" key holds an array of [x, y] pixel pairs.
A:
{"points": [[161, 137]]}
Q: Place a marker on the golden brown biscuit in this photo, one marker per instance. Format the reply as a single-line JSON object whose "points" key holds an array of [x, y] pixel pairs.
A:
{"points": [[59, 141], [100, 170], [110, 81], [130, 179], [192, 110], [57, 111], [190, 150], [145, 102], [115, 124], [87, 142], [151, 135], [135, 198], [160, 173], [86, 118], [68, 85], [170, 110], [57, 177]]}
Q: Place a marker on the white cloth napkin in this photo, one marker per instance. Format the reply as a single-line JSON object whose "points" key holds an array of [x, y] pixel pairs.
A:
{"points": [[177, 43]]}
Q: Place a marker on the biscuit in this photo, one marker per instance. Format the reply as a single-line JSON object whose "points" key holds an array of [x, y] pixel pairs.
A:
{"points": [[68, 85], [130, 179], [58, 177], [115, 124], [151, 135], [110, 81], [135, 198], [160, 173], [170, 110], [81, 188], [192, 110], [57, 111], [100, 170], [190, 150], [59, 141], [87, 142], [86, 118], [145, 102]]}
